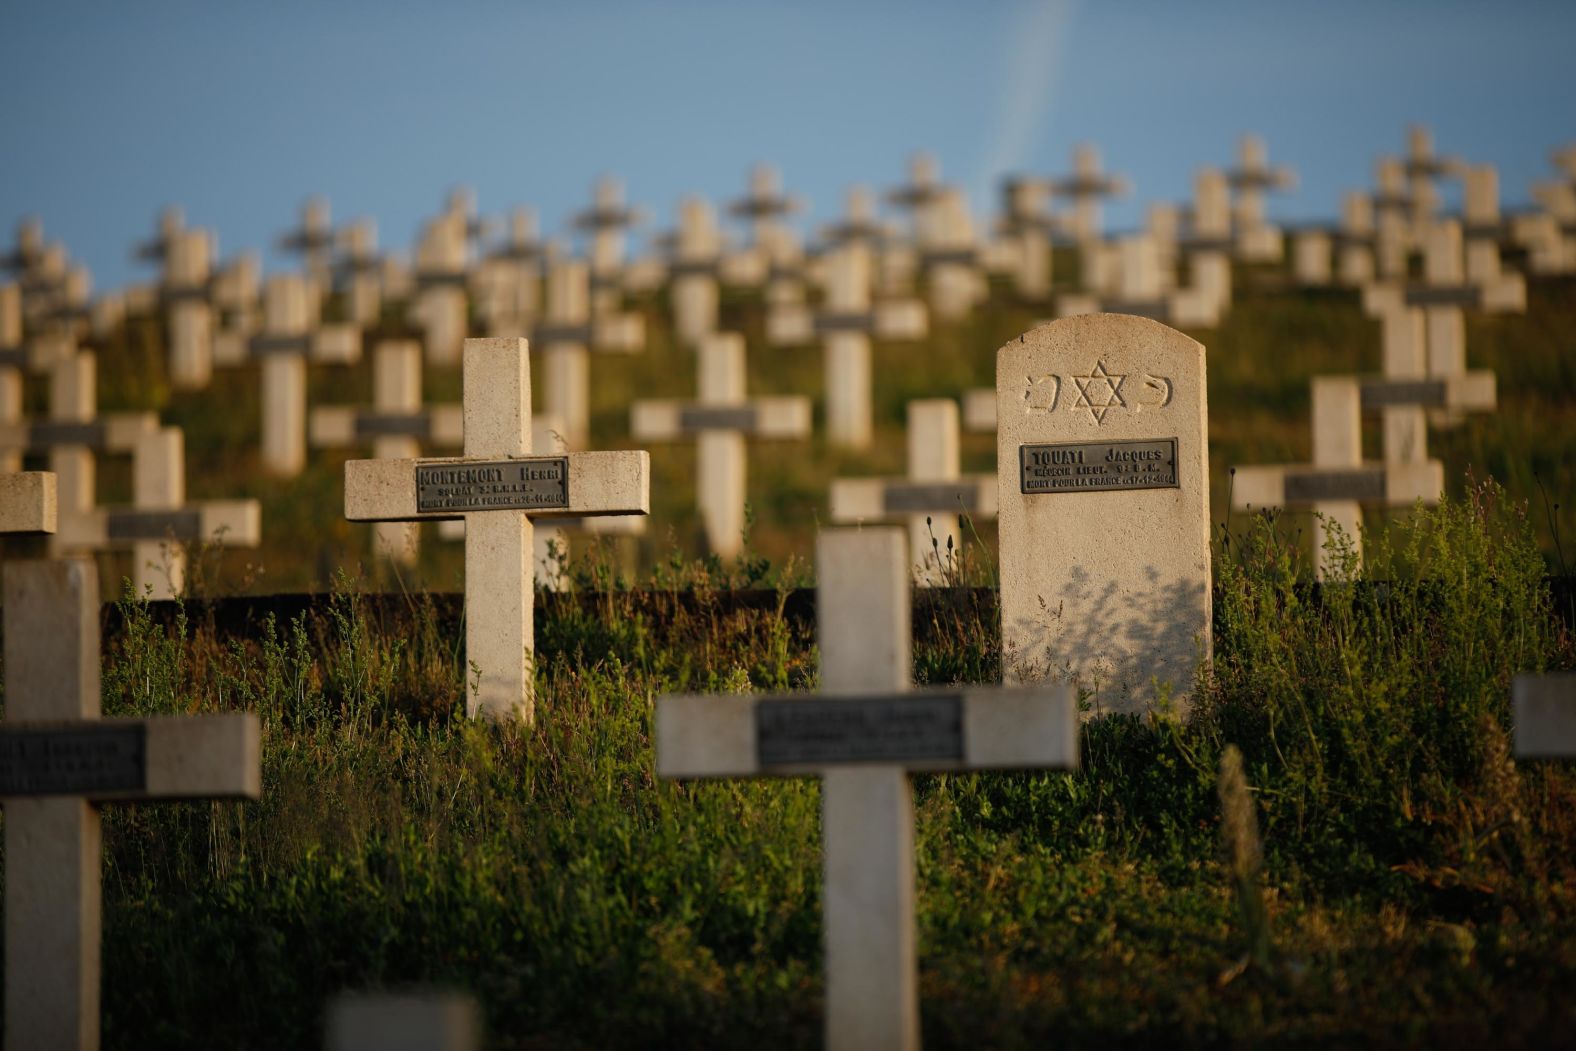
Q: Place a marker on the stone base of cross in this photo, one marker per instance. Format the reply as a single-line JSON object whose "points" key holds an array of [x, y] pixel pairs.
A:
{"points": [[498, 487], [864, 735]]}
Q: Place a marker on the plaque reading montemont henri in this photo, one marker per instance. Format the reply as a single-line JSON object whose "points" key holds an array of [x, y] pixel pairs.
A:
{"points": [[1079, 467], [497, 485]]}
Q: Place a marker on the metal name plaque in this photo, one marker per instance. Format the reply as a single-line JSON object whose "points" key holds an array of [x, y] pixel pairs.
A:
{"points": [[394, 425], [694, 418], [51, 434], [78, 761], [131, 524], [1363, 484], [495, 485], [817, 731], [1082, 467], [922, 497], [1378, 394]]}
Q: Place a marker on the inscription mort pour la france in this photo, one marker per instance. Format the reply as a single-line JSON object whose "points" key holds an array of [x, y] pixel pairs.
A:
{"points": [[1083, 466]]}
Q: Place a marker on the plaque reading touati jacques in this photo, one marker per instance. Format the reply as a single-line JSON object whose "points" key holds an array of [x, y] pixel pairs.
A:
{"points": [[859, 729], [1081, 467], [498, 485]]}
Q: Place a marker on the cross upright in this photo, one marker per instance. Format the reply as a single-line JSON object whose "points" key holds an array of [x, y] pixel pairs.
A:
{"points": [[1025, 219], [59, 763], [498, 487], [289, 338], [396, 426], [439, 307], [719, 421], [1209, 244], [187, 291], [1424, 169], [359, 271], [1544, 713], [930, 499], [864, 735]]}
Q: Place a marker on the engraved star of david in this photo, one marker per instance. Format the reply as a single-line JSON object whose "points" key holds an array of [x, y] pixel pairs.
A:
{"points": [[1099, 392]]}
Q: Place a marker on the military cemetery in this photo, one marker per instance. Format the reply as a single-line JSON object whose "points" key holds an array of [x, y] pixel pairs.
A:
{"points": [[608, 533]]}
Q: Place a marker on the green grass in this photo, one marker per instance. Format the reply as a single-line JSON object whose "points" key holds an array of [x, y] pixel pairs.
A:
{"points": [[1417, 884]]}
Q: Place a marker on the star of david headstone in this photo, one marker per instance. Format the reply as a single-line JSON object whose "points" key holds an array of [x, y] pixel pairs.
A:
{"points": [[1100, 391]]}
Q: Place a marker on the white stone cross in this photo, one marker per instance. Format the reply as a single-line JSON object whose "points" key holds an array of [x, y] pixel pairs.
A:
{"points": [[568, 330], [846, 321], [1544, 714], [59, 762], [161, 521], [605, 223], [719, 421], [498, 487], [313, 241], [289, 338], [27, 502], [442, 275], [75, 431], [699, 263], [864, 734], [1209, 244], [1338, 483], [396, 426], [1258, 241], [507, 284], [359, 271], [1143, 290], [930, 499], [1025, 219], [1423, 170]]}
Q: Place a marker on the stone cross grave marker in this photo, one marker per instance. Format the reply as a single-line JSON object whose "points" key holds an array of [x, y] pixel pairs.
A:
{"points": [[1142, 290], [396, 426], [75, 432], [27, 502], [1209, 244], [409, 1021], [719, 420], [1392, 205], [290, 337], [564, 338], [359, 272], [605, 224], [846, 322], [1025, 220], [931, 499], [1258, 240], [161, 520], [187, 291], [765, 209], [59, 762], [700, 263], [1085, 187], [864, 735], [498, 487], [1544, 713], [439, 305], [1102, 454], [1338, 484], [1424, 169], [313, 241], [507, 284]]}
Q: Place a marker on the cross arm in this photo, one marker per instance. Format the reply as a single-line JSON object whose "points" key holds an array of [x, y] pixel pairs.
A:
{"points": [[27, 502], [1374, 485], [598, 483], [968, 728], [667, 419], [159, 757], [1468, 391], [238, 523], [872, 499]]}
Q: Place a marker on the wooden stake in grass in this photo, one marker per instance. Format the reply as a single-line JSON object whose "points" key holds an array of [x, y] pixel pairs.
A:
{"points": [[1240, 834]]}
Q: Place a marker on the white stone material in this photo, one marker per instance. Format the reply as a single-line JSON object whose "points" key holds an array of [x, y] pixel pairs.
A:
{"points": [[930, 499], [414, 1021], [1109, 589], [863, 630], [188, 271], [979, 411], [1544, 714], [498, 542], [53, 844], [27, 502], [720, 436]]}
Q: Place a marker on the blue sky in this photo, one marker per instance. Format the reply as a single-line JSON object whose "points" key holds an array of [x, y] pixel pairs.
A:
{"points": [[238, 112]]}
